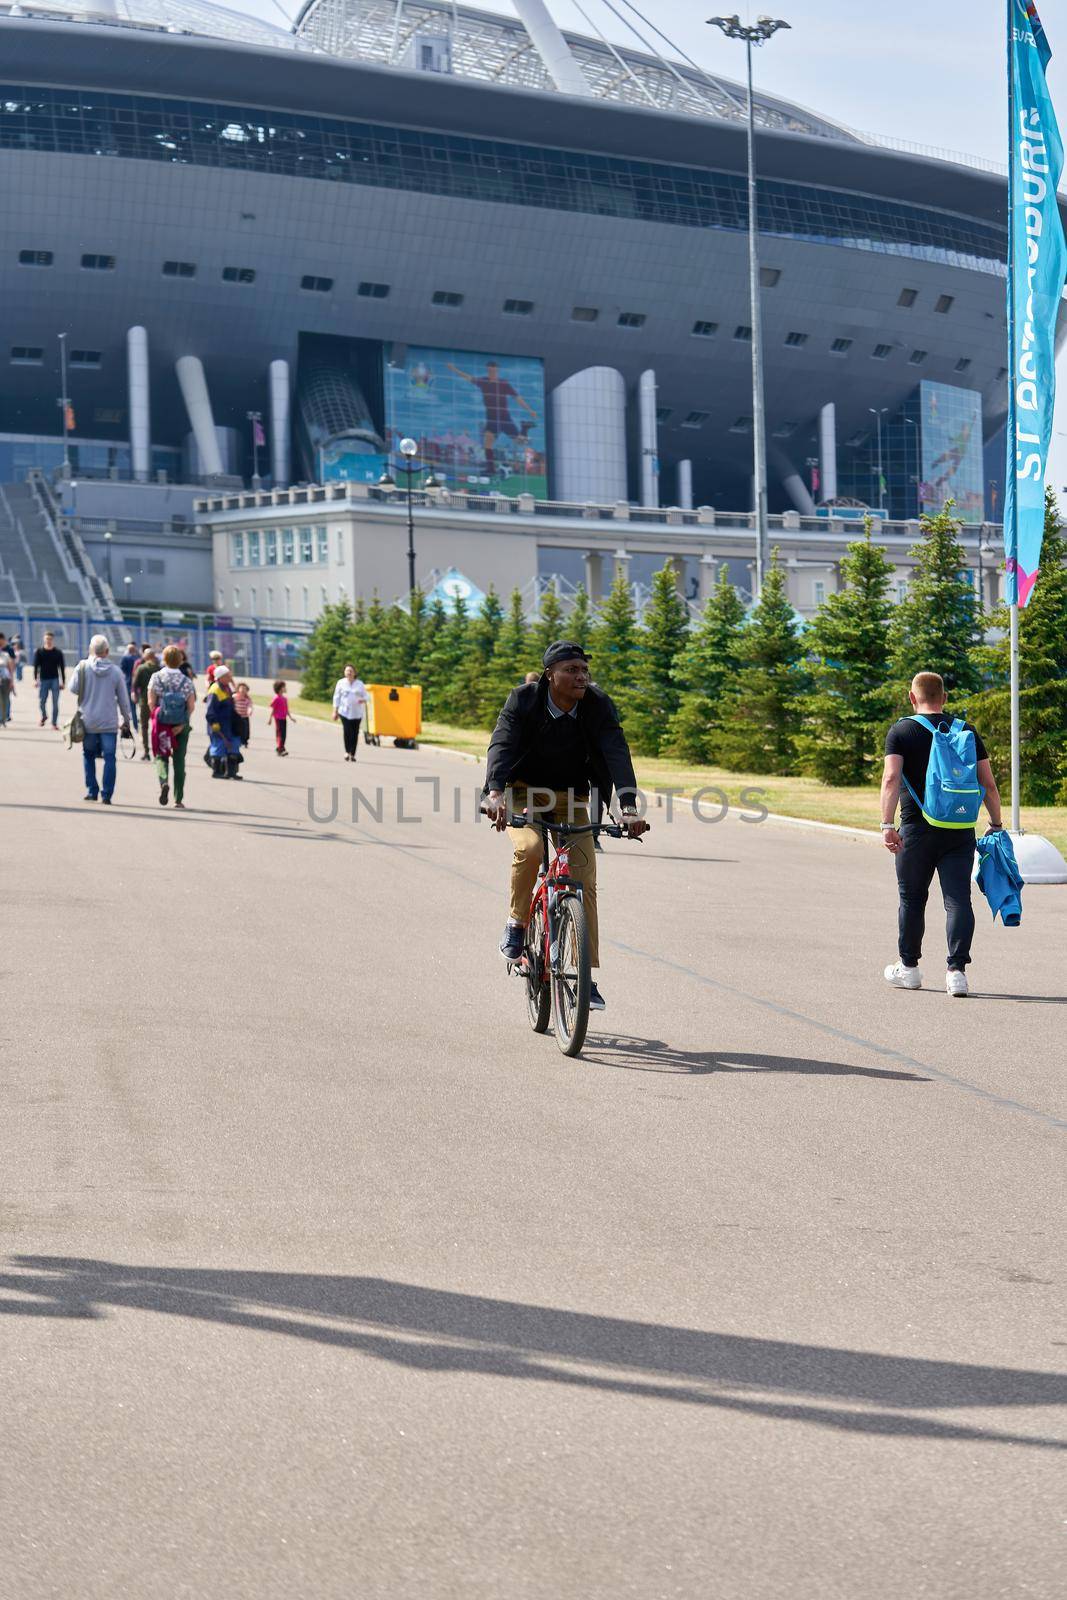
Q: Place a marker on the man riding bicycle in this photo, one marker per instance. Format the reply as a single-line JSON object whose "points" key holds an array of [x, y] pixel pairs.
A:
{"points": [[558, 750]]}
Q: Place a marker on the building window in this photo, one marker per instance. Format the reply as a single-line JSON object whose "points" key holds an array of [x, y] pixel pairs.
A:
{"points": [[741, 425], [95, 263], [253, 600], [796, 340], [769, 277], [270, 601], [881, 351], [237, 599], [841, 347], [316, 285], [238, 275], [705, 330], [288, 547], [584, 314], [631, 319], [306, 606], [907, 298], [325, 597], [518, 308], [27, 355], [322, 544], [742, 332], [945, 302], [288, 601], [818, 590], [447, 297], [917, 358], [902, 590], [963, 364], [663, 415], [374, 291], [237, 549], [179, 269], [340, 545], [307, 546], [270, 553], [253, 550], [85, 358], [35, 258], [222, 599], [696, 419]]}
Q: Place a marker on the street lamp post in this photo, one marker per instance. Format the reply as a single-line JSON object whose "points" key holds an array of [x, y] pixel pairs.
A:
{"points": [[64, 402], [256, 419], [880, 412], [108, 536], [763, 29], [409, 450], [128, 585], [985, 553]]}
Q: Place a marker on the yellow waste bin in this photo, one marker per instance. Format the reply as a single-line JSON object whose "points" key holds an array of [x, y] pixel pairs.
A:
{"points": [[394, 713]]}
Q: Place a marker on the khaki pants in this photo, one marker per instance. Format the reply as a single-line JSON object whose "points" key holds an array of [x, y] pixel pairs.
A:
{"points": [[526, 859]]}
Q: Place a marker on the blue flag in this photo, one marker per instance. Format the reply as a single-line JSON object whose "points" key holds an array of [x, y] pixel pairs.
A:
{"points": [[1037, 266]]}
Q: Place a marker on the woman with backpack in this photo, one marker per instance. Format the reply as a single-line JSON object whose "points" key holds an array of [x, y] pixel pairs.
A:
{"points": [[171, 701]]}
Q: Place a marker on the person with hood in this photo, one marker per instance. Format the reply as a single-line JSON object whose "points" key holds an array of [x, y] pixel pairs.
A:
{"points": [[561, 735], [224, 748], [100, 689]]}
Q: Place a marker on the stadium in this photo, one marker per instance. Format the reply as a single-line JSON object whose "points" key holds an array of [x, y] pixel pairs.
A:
{"points": [[274, 253]]}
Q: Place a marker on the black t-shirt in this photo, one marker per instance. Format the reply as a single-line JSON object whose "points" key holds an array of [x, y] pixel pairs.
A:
{"points": [[911, 740], [48, 663]]}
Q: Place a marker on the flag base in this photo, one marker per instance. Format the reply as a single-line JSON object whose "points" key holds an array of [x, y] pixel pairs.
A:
{"points": [[1039, 860]]}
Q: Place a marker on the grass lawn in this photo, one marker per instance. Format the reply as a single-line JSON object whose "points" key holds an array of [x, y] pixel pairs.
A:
{"points": [[790, 797]]}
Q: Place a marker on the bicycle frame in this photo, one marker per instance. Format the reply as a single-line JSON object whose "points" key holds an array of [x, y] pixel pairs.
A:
{"points": [[554, 879]]}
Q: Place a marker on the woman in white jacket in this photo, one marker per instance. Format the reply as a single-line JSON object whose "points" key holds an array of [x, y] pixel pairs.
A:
{"points": [[349, 707]]}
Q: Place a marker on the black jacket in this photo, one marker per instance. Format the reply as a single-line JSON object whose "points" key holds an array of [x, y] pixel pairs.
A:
{"points": [[526, 712]]}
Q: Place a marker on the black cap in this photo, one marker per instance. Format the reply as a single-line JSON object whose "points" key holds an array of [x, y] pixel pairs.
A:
{"points": [[563, 650]]}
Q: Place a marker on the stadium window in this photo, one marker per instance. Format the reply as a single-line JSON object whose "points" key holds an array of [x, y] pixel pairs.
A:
{"points": [[316, 285], [907, 298], [917, 358], [270, 548], [35, 258], [518, 308], [696, 419], [238, 275], [447, 297], [179, 269], [769, 277], [945, 302], [584, 314], [95, 263], [85, 358], [818, 591], [963, 364], [288, 547], [796, 340], [237, 549], [322, 546], [841, 347], [253, 553], [307, 547], [631, 319], [742, 332], [881, 351], [705, 330], [373, 291], [27, 355], [742, 425]]}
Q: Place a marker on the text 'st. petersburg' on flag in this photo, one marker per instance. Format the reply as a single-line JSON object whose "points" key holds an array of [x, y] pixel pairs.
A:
{"points": [[1036, 270]]}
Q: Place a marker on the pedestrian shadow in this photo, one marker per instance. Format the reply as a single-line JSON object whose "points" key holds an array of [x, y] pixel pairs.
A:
{"points": [[655, 1055], [1023, 999], [120, 808], [437, 1332]]}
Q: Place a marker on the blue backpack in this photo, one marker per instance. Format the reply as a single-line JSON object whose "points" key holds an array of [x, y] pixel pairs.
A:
{"points": [[953, 796]]}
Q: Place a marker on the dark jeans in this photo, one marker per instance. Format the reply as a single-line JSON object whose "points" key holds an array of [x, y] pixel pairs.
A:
{"points": [[49, 687], [351, 726], [279, 732], [950, 853], [95, 746]]}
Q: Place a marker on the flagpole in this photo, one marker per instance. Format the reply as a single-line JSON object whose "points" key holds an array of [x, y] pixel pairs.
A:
{"points": [[1012, 533]]}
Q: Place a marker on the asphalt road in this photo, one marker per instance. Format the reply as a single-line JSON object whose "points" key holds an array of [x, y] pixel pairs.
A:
{"points": [[322, 1276]]}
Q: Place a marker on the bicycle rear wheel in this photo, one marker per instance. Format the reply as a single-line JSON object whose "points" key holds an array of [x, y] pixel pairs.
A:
{"points": [[571, 976], [538, 989]]}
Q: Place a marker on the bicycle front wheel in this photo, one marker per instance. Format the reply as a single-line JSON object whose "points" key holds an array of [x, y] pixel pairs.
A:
{"points": [[571, 976], [538, 992]]}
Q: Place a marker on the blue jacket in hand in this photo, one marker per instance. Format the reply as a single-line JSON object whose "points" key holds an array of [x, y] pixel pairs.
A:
{"points": [[999, 878]]}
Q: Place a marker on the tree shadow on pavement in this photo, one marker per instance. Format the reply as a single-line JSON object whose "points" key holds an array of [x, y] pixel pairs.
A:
{"points": [[655, 1055], [438, 1332]]}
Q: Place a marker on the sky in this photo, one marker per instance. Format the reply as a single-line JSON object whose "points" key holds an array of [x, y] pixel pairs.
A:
{"points": [[928, 71]]}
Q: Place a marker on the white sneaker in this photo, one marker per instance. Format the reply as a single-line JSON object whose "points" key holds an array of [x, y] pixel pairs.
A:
{"points": [[956, 984], [902, 977]]}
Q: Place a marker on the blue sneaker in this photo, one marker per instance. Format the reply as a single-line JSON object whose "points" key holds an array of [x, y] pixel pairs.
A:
{"points": [[596, 999], [513, 942]]}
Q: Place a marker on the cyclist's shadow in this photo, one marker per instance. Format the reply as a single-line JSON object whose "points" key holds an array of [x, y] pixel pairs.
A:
{"points": [[656, 1055]]}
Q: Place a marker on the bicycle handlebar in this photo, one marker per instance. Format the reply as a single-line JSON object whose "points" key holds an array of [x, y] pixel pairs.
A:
{"points": [[614, 830]]}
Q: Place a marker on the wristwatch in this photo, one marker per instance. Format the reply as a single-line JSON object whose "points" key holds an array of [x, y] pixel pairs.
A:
{"points": [[888, 827]]}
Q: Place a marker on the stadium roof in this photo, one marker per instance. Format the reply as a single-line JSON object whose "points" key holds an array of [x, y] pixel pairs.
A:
{"points": [[196, 17]]}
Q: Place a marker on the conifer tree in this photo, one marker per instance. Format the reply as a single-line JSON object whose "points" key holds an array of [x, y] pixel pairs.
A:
{"points": [[549, 624], [656, 694], [1042, 680], [936, 628], [613, 643], [757, 715], [446, 665], [509, 663], [324, 651], [706, 665], [851, 702], [580, 620]]}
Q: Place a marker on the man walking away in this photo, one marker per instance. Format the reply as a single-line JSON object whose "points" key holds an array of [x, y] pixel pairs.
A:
{"points": [[127, 663], [7, 680], [104, 704], [50, 675], [143, 674], [925, 844]]}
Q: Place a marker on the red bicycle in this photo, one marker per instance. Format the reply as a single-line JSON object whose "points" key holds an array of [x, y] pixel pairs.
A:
{"points": [[555, 960]]}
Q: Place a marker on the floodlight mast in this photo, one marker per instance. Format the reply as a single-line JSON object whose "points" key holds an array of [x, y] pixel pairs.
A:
{"points": [[763, 29]]}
